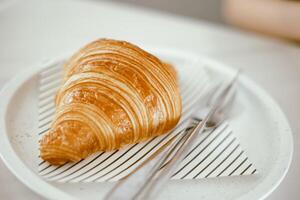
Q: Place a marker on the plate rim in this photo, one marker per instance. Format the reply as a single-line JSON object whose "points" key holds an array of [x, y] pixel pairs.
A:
{"points": [[43, 188]]}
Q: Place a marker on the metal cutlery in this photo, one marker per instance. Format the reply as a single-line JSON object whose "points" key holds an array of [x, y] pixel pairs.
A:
{"points": [[151, 176]]}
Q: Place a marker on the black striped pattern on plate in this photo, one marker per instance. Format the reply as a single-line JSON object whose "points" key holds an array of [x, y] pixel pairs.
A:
{"points": [[216, 153]]}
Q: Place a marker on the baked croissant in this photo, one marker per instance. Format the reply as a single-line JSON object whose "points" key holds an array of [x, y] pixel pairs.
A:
{"points": [[113, 93]]}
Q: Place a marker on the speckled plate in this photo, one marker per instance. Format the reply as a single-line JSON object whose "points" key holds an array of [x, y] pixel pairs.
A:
{"points": [[262, 129]]}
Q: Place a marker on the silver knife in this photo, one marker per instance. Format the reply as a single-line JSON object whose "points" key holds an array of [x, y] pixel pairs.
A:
{"points": [[146, 182]]}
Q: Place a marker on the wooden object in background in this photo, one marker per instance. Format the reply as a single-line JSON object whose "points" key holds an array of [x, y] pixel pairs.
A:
{"points": [[274, 17]]}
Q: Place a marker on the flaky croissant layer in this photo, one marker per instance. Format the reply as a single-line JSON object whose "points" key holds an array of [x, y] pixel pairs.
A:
{"points": [[113, 93]]}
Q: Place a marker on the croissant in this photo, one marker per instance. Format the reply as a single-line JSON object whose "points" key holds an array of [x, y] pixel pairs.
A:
{"points": [[113, 93]]}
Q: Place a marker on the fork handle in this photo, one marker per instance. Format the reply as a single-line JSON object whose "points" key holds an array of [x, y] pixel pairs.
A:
{"points": [[127, 188], [155, 185]]}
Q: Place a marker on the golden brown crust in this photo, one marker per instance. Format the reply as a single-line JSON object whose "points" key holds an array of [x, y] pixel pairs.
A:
{"points": [[113, 94]]}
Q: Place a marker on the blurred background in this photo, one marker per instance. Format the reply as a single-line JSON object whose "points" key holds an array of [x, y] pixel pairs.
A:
{"points": [[261, 36], [279, 18], [199, 9]]}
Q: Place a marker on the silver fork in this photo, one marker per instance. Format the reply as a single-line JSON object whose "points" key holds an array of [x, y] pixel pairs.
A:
{"points": [[146, 182]]}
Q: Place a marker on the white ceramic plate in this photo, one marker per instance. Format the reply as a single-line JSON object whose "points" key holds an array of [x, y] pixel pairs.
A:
{"points": [[261, 127]]}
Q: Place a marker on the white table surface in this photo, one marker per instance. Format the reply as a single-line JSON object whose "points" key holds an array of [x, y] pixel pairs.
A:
{"points": [[34, 30]]}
